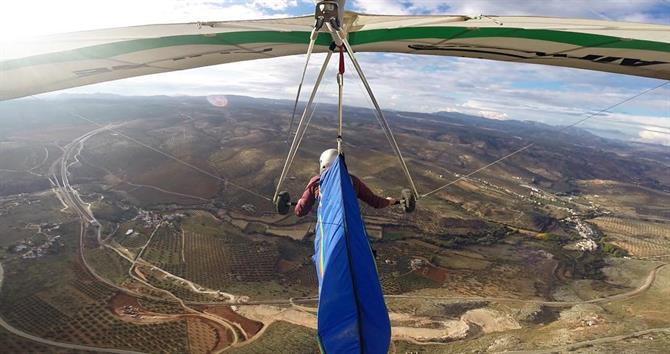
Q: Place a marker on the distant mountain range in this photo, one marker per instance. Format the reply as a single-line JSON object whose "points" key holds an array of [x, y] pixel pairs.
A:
{"points": [[629, 133]]}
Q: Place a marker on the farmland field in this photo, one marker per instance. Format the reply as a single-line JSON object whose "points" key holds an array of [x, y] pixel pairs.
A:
{"points": [[643, 238], [289, 337], [108, 264], [222, 257], [167, 307], [15, 344], [634, 227], [202, 338], [197, 260], [165, 250]]}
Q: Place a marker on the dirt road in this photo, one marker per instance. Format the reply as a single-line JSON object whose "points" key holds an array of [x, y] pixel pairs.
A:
{"points": [[589, 343]]}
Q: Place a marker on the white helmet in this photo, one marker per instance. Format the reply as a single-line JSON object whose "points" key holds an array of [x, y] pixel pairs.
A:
{"points": [[327, 158]]}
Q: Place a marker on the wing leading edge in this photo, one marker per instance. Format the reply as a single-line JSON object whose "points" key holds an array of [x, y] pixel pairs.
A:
{"points": [[82, 58]]}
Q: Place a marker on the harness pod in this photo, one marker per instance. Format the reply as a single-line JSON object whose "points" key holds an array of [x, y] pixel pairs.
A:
{"points": [[352, 316]]}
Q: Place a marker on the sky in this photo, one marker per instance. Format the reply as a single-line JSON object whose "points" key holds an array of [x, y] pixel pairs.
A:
{"points": [[489, 89]]}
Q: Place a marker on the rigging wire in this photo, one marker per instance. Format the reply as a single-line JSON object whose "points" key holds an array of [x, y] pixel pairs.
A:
{"points": [[310, 48], [302, 125], [589, 116], [168, 155], [380, 115], [302, 134]]}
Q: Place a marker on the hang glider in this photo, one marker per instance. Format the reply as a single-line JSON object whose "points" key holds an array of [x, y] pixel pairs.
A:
{"points": [[75, 59]]}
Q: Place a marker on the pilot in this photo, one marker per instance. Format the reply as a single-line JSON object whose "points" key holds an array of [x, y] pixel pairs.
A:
{"points": [[311, 193]]}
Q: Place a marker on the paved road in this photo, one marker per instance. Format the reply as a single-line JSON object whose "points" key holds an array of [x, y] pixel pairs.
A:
{"points": [[71, 198]]}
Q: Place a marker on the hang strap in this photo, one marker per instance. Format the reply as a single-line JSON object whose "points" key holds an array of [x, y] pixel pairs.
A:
{"points": [[340, 86]]}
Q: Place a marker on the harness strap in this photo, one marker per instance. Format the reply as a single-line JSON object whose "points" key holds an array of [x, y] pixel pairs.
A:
{"points": [[340, 94]]}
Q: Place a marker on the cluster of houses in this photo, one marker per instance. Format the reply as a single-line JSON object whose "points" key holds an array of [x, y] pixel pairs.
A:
{"points": [[586, 232], [539, 194], [151, 219], [30, 249]]}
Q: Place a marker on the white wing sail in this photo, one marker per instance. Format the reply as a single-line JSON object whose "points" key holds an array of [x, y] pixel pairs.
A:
{"points": [[75, 59]]}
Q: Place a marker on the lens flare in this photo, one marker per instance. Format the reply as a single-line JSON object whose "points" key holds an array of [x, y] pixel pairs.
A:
{"points": [[217, 100]]}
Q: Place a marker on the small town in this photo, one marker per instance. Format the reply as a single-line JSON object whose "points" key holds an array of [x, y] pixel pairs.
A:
{"points": [[151, 219], [31, 249]]}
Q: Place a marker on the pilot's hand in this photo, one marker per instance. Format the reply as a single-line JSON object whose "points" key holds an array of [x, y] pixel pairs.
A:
{"points": [[393, 201]]}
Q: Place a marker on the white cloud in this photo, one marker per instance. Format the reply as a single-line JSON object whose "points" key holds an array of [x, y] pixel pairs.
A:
{"points": [[637, 11], [477, 108], [636, 120], [275, 4], [494, 115], [429, 84], [27, 18], [380, 7], [655, 135]]}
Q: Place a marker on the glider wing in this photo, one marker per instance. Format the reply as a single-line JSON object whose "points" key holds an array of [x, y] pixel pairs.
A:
{"points": [[75, 59]]}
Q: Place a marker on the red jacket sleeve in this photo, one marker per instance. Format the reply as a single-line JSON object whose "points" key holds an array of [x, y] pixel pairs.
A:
{"points": [[368, 196], [306, 202]]}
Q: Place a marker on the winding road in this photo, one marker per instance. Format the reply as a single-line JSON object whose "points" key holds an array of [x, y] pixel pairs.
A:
{"points": [[71, 199]]}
